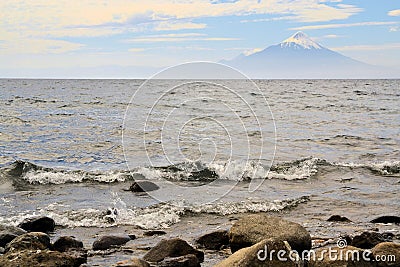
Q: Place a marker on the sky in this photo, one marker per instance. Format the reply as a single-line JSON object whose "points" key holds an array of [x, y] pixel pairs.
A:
{"points": [[133, 38]]}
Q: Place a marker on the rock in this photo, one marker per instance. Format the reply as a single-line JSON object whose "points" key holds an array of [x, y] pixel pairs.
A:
{"points": [[338, 218], [367, 240], [385, 250], [387, 219], [143, 186], [254, 228], [38, 224], [134, 262], [42, 258], [183, 261], [32, 241], [109, 241], [260, 255], [12, 230], [5, 238], [341, 257], [175, 247], [154, 232], [214, 240], [64, 243], [2, 250]]}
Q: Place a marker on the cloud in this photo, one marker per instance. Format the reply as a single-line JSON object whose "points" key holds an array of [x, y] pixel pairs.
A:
{"points": [[392, 46], [394, 13], [178, 37], [39, 46], [394, 29], [174, 26], [344, 25]]}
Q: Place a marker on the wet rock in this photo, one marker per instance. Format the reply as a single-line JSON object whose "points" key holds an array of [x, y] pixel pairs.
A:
{"points": [[387, 219], [2, 250], [214, 240], [384, 251], [143, 186], [260, 255], [5, 238], [175, 247], [254, 228], [341, 257], [183, 261], [154, 232], [64, 243], [42, 258], [134, 262], [338, 218], [12, 230], [31, 241], [109, 241], [38, 224], [368, 240]]}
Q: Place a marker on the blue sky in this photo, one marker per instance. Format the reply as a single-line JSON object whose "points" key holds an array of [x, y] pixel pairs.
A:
{"points": [[91, 37]]}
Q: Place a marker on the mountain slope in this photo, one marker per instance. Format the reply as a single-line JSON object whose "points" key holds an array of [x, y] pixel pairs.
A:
{"points": [[301, 57]]}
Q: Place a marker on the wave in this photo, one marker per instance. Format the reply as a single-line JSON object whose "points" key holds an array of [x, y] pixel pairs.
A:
{"points": [[302, 169], [158, 216]]}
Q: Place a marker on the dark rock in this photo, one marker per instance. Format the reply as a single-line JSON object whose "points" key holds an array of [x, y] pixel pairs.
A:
{"points": [[38, 224], [258, 255], [5, 238], [143, 186], [204, 174], [132, 236], [385, 250], [109, 241], [134, 262], [254, 228], [387, 219], [64, 243], [349, 258], [175, 247], [12, 230], [183, 261], [43, 258], [214, 240], [367, 240], [32, 241], [154, 232], [338, 218]]}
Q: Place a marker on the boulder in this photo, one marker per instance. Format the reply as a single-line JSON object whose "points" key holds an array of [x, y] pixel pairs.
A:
{"points": [[338, 218], [143, 186], [134, 262], [341, 257], [262, 254], [183, 261], [31, 241], [254, 228], [387, 219], [38, 224], [5, 238], [12, 230], [64, 243], [388, 251], [368, 240], [154, 232], [42, 258], [175, 247], [109, 241], [214, 240]]}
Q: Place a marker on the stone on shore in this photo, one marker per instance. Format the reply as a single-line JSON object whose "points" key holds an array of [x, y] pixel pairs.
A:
{"points": [[109, 241], [175, 247], [261, 255], [12, 230], [254, 228], [387, 219], [134, 262], [143, 186], [38, 224], [341, 257], [385, 250], [338, 218], [154, 232], [367, 240], [6, 237], [64, 243], [29, 241], [189, 260], [214, 240]]}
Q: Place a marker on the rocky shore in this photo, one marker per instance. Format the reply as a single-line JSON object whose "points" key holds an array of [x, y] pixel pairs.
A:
{"points": [[252, 240]]}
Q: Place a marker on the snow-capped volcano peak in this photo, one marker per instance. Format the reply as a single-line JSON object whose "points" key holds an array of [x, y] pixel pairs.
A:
{"points": [[300, 40]]}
